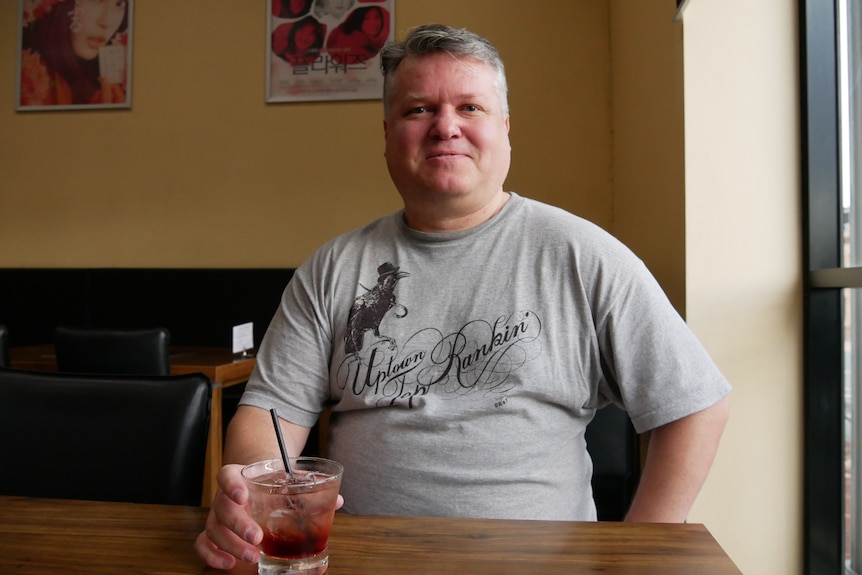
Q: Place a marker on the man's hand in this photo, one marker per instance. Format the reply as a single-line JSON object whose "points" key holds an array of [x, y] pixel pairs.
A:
{"points": [[230, 532]]}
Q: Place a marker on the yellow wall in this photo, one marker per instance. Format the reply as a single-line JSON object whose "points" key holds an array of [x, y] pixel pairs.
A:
{"points": [[743, 267], [202, 173], [648, 133]]}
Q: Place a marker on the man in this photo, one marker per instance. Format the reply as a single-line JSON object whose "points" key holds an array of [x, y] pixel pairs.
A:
{"points": [[464, 343]]}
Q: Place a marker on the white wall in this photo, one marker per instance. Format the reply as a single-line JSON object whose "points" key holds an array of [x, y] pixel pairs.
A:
{"points": [[743, 267]]}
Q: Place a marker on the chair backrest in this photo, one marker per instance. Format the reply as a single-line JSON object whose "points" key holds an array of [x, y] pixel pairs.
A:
{"points": [[4, 346], [615, 450], [104, 437], [113, 351]]}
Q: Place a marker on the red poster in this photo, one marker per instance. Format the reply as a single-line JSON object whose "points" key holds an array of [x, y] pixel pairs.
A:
{"points": [[326, 49]]}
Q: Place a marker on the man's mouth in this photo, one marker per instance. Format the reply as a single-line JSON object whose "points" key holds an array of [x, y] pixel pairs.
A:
{"points": [[444, 155]]}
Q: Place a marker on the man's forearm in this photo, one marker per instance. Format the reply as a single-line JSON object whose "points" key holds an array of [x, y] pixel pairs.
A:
{"points": [[251, 437]]}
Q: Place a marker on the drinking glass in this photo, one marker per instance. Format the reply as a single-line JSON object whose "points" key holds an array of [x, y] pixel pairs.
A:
{"points": [[295, 512]]}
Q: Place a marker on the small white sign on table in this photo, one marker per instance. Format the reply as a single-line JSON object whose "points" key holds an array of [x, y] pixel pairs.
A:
{"points": [[243, 338]]}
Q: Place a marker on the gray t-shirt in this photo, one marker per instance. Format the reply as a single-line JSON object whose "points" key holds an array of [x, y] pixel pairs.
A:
{"points": [[462, 368]]}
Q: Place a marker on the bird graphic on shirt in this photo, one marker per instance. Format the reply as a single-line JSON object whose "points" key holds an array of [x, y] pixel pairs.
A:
{"points": [[369, 308]]}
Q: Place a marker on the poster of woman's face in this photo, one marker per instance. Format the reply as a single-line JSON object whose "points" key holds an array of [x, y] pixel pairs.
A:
{"points": [[74, 54], [326, 49]]}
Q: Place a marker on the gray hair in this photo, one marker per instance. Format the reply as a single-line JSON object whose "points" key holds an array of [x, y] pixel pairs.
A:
{"points": [[433, 38]]}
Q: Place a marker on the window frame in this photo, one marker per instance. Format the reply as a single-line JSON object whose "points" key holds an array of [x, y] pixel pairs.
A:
{"points": [[824, 280]]}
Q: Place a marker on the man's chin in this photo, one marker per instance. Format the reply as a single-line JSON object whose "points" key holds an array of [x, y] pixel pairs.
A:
{"points": [[438, 193]]}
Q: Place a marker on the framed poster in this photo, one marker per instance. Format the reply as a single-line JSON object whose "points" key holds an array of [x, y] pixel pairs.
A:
{"points": [[326, 49], [74, 54]]}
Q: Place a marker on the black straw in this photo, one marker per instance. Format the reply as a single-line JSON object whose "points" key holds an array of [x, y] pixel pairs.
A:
{"points": [[280, 439]]}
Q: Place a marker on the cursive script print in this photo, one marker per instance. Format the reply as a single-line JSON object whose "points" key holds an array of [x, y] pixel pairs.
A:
{"points": [[480, 357]]}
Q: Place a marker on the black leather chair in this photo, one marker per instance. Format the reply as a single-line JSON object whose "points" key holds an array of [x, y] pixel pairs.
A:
{"points": [[104, 437], [113, 351], [4, 347], [615, 450]]}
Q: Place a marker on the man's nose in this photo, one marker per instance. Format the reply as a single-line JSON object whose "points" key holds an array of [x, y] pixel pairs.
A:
{"points": [[446, 125]]}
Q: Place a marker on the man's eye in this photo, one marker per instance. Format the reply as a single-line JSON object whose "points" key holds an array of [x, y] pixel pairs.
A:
{"points": [[418, 110], [471, 108]]}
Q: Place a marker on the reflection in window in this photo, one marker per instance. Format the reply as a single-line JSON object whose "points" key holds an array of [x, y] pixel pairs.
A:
{"points": [[850, 106]]}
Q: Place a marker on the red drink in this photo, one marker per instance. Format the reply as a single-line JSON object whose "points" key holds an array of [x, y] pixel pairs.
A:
{"points": [[293, 544], [295, 514]]}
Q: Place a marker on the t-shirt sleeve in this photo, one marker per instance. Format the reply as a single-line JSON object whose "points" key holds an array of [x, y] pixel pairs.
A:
{"points": [[656, 367]]}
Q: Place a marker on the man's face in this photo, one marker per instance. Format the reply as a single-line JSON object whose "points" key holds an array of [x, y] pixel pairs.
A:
{"points": [[446, 135]]}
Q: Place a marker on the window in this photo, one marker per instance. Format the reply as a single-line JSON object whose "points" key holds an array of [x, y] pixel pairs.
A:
{"points": [[831, 36]]}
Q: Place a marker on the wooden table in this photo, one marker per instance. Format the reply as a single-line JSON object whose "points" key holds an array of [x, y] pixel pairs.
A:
{"points": [[48, 536], [219, 364]]}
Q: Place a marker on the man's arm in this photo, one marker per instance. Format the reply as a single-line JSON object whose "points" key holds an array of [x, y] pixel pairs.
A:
{"points": [[678, 460], [251, 437]]}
